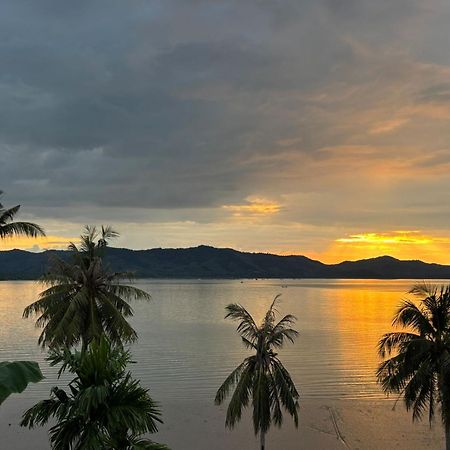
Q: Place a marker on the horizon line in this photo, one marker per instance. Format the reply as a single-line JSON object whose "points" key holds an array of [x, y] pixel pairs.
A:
{"points": [[239, 251]]}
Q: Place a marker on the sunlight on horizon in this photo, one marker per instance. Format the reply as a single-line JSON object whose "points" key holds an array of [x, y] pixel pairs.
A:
{"points": [[405, 245], [400, 244], [38, 244]]}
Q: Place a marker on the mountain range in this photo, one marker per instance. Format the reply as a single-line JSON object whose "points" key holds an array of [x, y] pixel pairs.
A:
{"points": [[211, 262]]}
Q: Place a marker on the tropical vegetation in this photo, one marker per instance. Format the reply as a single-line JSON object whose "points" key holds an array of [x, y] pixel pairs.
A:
{"points": [[104, 408], [16, 375], [9, 227], [261, 378], [418, 367], [84, 300]]}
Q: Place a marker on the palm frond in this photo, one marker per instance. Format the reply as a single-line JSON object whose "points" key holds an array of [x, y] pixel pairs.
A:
{"points": [[21, 229], [229, 383], [249, 344], [410, 315], [286, 389], [420, 368], [417, 391], [246, 326], [114, 322], [394, 341], [269, 317], [278, 338], [423, 290], [128, 292], [84, 300], [109, 233], [7, 215], [9, 228], [241, 395], [105, 408], [261, 401], [261, 377]]}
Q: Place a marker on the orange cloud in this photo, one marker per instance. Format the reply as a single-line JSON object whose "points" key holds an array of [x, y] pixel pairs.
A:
{"points": [[254, 206], [388, 126], [396, 237]]}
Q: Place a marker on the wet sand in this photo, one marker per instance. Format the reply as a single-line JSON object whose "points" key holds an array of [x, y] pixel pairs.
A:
{"points": [[334, 425]]}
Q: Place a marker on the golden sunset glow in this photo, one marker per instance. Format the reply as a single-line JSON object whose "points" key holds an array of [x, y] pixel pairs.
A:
{"points": [[368, 314], [388, 126], [212, 156], [40, 243], [399, 244], [254, 206], [397, 237]]}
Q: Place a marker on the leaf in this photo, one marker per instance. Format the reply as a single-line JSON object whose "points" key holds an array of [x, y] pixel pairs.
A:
{"points": [[15, 376], [103, 407]]}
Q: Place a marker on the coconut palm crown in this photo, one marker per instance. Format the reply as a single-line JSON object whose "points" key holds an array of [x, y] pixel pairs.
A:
{"points": [[10, 228], [83, 299], [419, 365], [104, 407], [261, 378]]}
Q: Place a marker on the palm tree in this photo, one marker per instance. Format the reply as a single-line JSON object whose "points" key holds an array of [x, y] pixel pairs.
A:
{"points": [[104, 408], [83, 299], [15, 375], [420, 368], [262, 376], [10, 228]]}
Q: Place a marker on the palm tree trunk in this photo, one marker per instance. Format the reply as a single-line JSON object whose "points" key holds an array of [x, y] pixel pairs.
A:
{"points": [[263, 440]]}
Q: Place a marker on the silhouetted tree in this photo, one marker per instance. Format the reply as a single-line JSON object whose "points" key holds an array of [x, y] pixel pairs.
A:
{"points": [[419, 369], [9, 228], [104, 408], [84, 300], [15, 375], [261, 378]]}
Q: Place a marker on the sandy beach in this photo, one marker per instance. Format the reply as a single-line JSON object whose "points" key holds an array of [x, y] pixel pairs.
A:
{"points": [[336, 425]]}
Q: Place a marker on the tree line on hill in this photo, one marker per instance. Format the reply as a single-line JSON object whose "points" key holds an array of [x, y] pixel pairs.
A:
{"points": [[222, 263]]}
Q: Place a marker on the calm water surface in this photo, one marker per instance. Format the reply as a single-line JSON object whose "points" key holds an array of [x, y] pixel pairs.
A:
{"points": [[186, 348]]}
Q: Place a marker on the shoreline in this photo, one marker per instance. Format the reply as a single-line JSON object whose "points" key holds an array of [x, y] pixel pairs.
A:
{"points": [[199, 425]]}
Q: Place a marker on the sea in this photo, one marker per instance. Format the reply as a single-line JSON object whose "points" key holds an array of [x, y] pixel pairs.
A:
{"points": [[186, 348]]}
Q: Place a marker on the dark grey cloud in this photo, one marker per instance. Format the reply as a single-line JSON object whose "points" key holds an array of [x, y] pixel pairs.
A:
{"points": [[195, 104]]}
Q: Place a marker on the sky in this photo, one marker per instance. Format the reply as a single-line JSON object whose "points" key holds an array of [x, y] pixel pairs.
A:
{"points": [[315, 127]]}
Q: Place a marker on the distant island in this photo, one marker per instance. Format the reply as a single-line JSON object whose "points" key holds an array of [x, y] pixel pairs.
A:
{"points": [[210, 262]]}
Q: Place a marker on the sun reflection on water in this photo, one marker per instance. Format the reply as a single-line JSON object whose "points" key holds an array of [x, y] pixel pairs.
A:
{"points": [[186, 348]]}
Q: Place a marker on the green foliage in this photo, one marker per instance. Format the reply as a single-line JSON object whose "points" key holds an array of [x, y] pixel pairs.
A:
{"points": [[419, 365], [10, 228], [261, 378], [209, 262], [83, 299], [103, 408], [15, 377]]}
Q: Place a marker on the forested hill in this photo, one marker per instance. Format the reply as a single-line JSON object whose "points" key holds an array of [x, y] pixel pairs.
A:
{"points": [[210, 262]]}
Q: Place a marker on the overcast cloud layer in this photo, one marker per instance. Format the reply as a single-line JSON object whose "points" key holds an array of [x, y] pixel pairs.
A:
{"points": [[181, 122]]}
